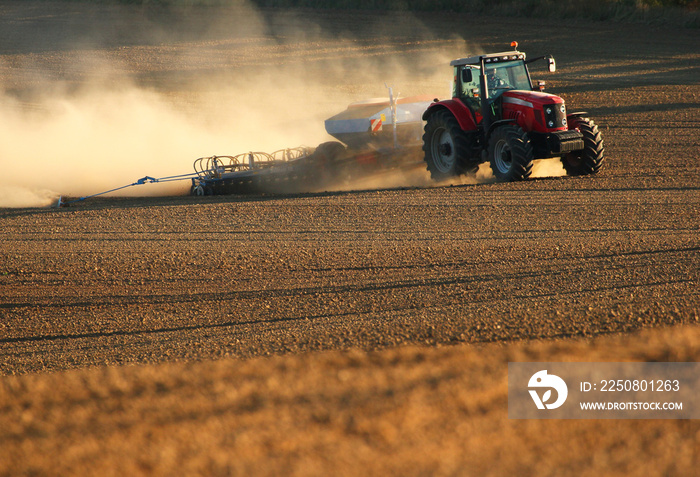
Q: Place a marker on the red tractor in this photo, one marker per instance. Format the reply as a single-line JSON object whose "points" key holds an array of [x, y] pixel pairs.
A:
{"points": [[496, 115]]}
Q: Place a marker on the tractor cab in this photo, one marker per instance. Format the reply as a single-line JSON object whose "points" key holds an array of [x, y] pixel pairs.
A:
{"points": [[504, 71]]}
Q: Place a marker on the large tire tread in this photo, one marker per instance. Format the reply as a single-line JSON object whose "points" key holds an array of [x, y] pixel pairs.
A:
{"points": [[463, 145], [521, 153], [591, 159]]}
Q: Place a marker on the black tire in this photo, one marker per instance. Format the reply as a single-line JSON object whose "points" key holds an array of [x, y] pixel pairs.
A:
{"points": [[447, 147], [329, 152], [591, 158], [510, 153], [326, 163]]}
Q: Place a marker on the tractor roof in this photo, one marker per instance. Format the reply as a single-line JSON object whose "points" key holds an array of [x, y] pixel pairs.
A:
{"points": [[489, 58]]}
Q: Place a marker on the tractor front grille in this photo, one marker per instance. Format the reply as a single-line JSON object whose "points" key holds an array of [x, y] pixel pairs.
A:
{"points": [[555, 115]]}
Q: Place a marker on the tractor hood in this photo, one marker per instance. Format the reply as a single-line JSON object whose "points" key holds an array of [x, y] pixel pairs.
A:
{"points": [[534, 110], [531, 99]]}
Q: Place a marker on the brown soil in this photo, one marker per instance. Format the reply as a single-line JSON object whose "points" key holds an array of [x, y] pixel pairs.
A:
{"points": [[381, 278]]}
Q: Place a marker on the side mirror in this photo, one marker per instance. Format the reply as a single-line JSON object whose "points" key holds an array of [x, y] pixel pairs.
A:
{"points": [[552, 65], [467, 75]]}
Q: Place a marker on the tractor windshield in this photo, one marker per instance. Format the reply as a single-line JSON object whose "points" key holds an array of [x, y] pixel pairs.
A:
{"points": [[507, 75]]}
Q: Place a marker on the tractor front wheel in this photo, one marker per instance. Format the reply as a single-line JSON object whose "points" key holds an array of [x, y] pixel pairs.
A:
{"points": [[590, 159], [510, 153], [447, 147]]}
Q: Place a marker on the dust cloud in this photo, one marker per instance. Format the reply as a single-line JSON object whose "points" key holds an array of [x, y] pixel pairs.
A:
{"points": [[103, 117], [548, 168], [94, 142]]}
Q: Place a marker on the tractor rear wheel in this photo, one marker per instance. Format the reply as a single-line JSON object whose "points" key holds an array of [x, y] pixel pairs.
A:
{"points": [[510, 153], [590, 159], [447, 147]]}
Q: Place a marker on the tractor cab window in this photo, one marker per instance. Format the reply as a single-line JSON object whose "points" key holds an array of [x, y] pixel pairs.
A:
{"points": [[506, 75], [467, 82]]}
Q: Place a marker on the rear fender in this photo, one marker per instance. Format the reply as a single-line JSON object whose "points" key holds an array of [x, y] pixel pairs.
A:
{"points": [[459, 110]]}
